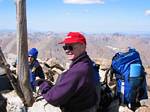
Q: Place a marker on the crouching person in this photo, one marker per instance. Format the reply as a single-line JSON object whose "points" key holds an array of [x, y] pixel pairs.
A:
{"points": [[75, 89], [34, 67]]}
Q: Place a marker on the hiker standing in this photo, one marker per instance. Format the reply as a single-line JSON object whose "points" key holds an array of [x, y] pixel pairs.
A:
{"points": [[75, 89], [34, 67]]}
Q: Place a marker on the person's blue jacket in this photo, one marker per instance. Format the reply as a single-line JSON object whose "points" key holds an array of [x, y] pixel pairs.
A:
{"points": [[35, 71], [75, 89]]}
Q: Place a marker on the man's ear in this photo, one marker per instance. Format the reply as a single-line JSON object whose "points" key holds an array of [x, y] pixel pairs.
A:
{"points": [[83, 46]]}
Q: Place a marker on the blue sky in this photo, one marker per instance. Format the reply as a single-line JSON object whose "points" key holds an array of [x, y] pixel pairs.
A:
{"points": [[89, 16]]}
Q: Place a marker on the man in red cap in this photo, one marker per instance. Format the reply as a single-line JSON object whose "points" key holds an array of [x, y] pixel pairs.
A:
{"points": [[75, 90]]}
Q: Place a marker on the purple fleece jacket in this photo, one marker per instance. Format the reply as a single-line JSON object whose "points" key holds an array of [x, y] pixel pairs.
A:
{"points": [[75, 89]]}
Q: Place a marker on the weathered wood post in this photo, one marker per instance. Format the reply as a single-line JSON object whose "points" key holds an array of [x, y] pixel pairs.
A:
{"points": [[22, 49]]}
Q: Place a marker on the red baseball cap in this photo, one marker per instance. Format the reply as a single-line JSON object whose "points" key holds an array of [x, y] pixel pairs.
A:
{"points": [[74, 37]]}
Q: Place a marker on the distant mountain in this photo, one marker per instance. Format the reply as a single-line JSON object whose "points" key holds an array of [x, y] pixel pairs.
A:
{"points": [[99, 46], [7, 30]]}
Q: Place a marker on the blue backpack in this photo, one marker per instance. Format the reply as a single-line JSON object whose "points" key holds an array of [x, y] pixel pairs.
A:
{"points": [[130, 76]]}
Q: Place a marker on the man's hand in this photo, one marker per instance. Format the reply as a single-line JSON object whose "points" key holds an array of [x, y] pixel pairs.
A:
{"points": [[38, 82]]}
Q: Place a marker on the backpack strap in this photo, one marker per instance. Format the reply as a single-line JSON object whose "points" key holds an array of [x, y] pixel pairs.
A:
{"points": [[109, 72], [106, 74]]}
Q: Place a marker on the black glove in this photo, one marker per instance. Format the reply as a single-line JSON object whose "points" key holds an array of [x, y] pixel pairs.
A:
{"points": [[38, 82]]}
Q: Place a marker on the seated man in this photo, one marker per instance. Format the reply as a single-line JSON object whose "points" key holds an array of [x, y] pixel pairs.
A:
{"points": [[34, 66], [75, 89]]}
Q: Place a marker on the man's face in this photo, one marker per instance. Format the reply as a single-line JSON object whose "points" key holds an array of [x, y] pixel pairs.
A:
{"points": [[73, 50], [30, 59]]}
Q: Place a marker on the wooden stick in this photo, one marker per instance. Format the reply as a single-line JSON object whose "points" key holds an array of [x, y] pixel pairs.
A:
{"points": [[22, 48]]}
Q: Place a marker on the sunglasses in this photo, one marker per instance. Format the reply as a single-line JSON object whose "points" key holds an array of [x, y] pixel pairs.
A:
{"points": [[68, 47]]}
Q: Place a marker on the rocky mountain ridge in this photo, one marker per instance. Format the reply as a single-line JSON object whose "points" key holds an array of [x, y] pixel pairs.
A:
{"points": [[99, 46]]}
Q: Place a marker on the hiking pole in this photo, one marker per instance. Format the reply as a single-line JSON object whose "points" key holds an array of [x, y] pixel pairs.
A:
{"points": [[13, 80]]}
